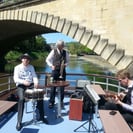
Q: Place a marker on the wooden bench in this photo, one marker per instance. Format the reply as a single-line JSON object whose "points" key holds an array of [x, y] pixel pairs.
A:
{"points": [[5, 106], [113, 123]]}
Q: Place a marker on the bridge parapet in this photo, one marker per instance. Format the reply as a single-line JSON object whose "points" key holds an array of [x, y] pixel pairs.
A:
{"points": [[108, 50], [79, 34], [66, 27], [126, 62], [86, 37], [101, 46], [93, 41], [116, 56]]}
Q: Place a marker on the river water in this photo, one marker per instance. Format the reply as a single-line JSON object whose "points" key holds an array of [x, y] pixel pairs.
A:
{"points": [[89, 65]]}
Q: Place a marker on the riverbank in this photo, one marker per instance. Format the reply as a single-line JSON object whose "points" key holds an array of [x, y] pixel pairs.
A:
{"points": [[99, 61]]}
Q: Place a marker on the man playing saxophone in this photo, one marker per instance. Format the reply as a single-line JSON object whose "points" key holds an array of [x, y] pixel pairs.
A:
{"points": [[57, 60]]}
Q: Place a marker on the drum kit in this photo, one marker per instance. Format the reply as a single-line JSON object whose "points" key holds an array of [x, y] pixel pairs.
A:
{"points": [[34, 95]]}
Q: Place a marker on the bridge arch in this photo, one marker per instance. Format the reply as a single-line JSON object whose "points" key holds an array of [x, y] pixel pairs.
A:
{"points": [[50, 23]]}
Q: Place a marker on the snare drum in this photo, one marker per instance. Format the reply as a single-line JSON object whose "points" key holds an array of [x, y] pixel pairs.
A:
{"points": [[34, 94]]}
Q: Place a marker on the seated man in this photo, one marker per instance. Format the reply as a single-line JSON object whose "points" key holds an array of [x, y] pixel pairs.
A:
{"points": [[25, 77], [124, 101]]}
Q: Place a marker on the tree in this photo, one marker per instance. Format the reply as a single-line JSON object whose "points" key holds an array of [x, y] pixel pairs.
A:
{"points": [[37, 43], [78, 49], [40, 43]]}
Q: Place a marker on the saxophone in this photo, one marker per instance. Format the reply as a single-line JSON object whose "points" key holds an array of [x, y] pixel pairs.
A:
{"points": [[61, 69]]}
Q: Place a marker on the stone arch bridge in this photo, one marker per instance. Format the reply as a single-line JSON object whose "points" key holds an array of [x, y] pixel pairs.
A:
{"points": [[104, 26]]}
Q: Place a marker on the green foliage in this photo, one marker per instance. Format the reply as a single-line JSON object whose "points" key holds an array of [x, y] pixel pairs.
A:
{"points": [[35, 46], [39, 55], [41, 44], [25, 45], [37, 43], [76, 48], [13, 56]]}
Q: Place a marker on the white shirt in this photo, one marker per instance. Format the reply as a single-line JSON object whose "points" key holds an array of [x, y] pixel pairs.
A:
{"points": [[127, 106], [22, 73], [49, 59]]}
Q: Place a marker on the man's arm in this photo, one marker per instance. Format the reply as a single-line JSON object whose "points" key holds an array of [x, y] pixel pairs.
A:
{"points": [[127, 106], [49, 59], [35, 78], [16, 77], [67, 59]]}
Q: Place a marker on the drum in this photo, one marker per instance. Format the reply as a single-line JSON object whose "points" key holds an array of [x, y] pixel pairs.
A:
{"points": [[34, 94]]}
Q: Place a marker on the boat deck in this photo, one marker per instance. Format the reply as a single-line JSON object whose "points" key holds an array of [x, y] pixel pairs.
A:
{"points": [[61, 125]]}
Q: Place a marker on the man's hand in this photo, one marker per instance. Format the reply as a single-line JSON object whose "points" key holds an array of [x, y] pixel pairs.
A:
{"points": [[36, 86], [53, 67], [26, 83], [117, 100], [121, 95]]}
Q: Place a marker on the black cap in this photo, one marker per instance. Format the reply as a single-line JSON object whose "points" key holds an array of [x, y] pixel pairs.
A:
{"points": [[26, 56]]}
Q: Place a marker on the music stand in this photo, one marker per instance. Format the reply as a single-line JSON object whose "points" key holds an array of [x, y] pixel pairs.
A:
{"points": [[94, 98]]}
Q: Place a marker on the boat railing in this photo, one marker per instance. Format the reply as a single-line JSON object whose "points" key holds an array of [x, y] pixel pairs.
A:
{"points": [[108, 83]]}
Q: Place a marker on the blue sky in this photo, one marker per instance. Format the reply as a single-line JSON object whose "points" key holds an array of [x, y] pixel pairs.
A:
{"points": [[54, 37]]}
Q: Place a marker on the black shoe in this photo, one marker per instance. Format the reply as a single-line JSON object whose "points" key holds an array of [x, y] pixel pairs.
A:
{"points": [[44, 120], [18, 126], [51, 105]]}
